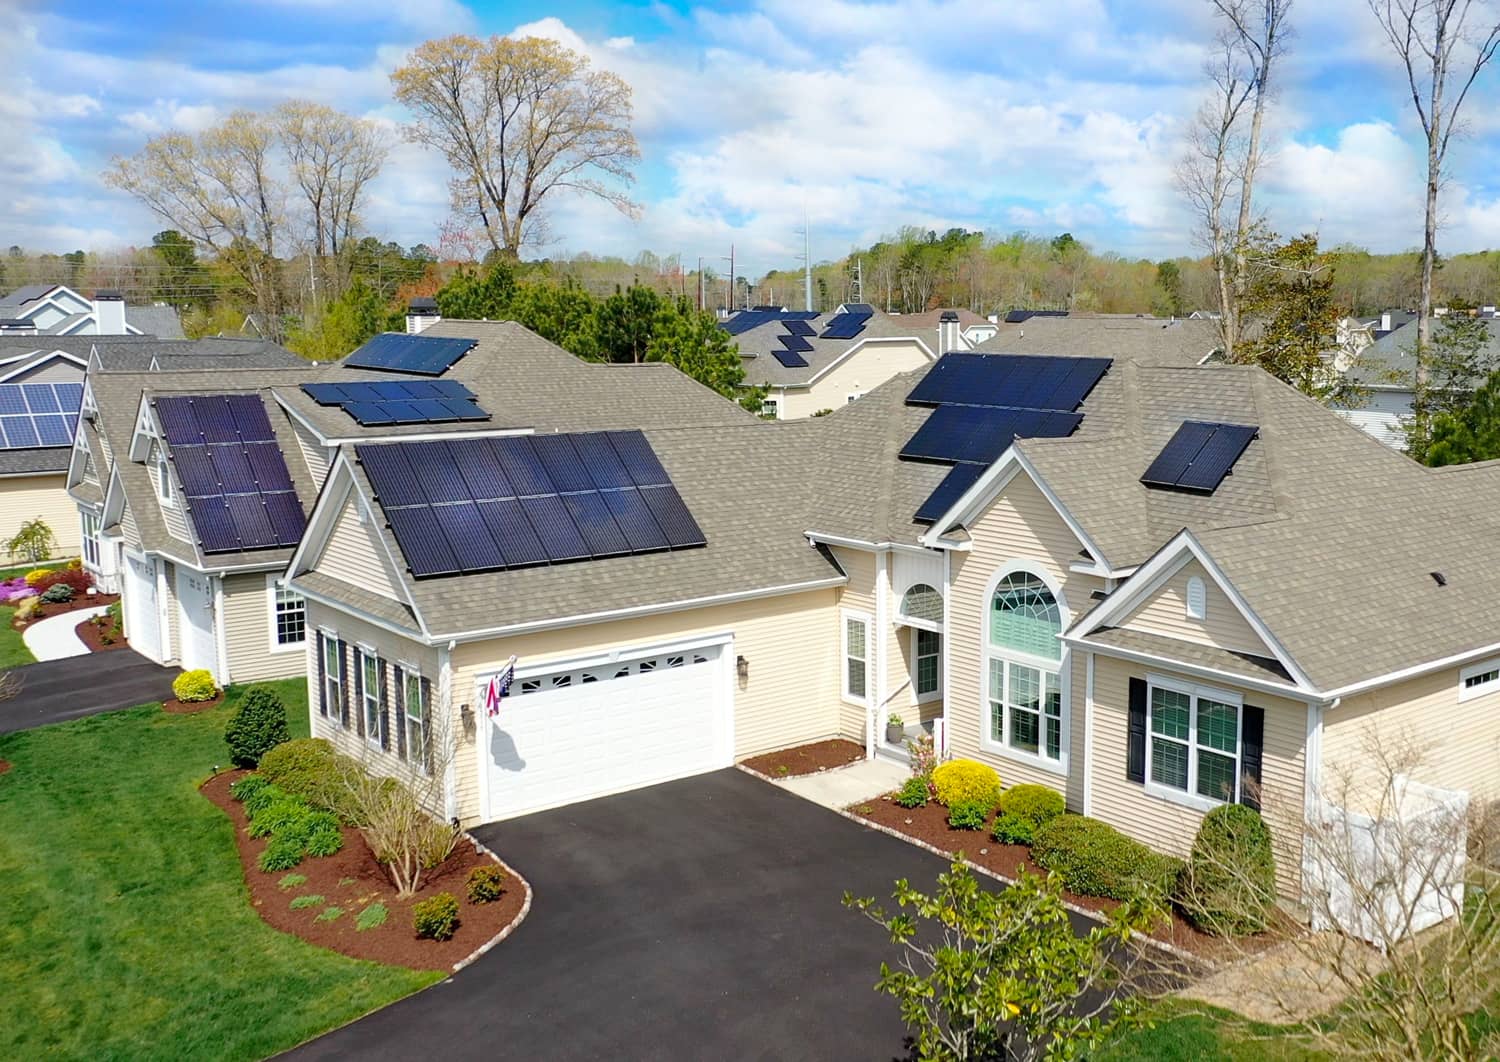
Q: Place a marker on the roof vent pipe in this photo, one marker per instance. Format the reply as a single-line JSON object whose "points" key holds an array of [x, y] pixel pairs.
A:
{"points": [[1439, 578]]}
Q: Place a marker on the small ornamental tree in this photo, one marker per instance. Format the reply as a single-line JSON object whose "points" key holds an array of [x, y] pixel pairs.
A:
{"points": [[1004, 975], [33, 542]]}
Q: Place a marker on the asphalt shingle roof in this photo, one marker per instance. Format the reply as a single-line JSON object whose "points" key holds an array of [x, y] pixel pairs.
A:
{"points": [[761, 366], [1147, 340]]}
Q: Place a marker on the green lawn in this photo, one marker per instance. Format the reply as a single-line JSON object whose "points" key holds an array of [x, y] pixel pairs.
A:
{"points": [[1196, 1033], [13, 651], [125, 927]]}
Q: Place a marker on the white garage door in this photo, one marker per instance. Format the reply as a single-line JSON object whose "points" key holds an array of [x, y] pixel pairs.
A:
{"points": [[570, 735], [142, 617], [195, 602]]}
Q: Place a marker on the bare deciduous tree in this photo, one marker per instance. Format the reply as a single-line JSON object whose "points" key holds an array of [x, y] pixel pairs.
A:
{"points": [[518, 119]]}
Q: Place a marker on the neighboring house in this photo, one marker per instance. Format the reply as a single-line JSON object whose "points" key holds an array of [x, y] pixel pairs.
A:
{"points": [[971, 332], [57, 310], [1146, 340], [811, 362], [41, 386], [695, 587]]}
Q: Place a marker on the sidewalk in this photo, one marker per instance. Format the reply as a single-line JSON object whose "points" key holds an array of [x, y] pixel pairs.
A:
{"points": [[54, 638], [843, 786]]}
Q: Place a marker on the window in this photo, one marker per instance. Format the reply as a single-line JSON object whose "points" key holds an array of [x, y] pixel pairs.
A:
{"points": [[416, 716], [369, 687], [770, 408], [288, 615], [332, 688], [1197, 599], [1194, 741], [91, 540], [1479, 679], [922, 602], [163, 478], [927, 658], [856, 656], [1024, 669], [853, 396]]}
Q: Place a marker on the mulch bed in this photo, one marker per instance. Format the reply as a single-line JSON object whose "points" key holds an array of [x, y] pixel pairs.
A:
{"points": [[90, 635], [62, 608], [930, 824], [806, 759], [352, 879], [176, 707]]}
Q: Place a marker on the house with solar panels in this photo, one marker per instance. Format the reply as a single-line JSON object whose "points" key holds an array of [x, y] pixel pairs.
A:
{"points": [[41, 386]]}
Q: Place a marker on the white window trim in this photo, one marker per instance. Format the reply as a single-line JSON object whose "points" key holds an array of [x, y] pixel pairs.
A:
{"points": [[1063, 665], [854, 396], [845, 615], [771, 408], [89, 538], [336, 709], [1201, 611], [937, 694], [1483, 689], [372, 734], [903, 620], [272, 645], [166, 494], [1191, 798], [410, 673]]}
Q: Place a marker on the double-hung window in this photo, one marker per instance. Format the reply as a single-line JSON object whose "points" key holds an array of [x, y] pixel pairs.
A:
{"points": [[415, 720], [369, 687], [1193, 740], [856, 656], [91, 540], [928, 654], [1024, 668], [333, 690], [288, 616]]}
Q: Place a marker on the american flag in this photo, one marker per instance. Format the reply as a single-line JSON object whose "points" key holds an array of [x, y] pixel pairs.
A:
{"points": [[499, 686]]}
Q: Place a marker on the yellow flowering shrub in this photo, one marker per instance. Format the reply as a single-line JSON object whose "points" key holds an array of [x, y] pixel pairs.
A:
{"points": [[36, 575], [194, 686], [960, 781]]}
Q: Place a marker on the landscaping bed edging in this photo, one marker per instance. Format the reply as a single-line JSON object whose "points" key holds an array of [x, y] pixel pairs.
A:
{"points": [[176, 707], [91, 636]]}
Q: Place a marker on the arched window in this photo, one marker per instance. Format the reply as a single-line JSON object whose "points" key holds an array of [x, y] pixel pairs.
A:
{"points": [[922, 602], [1022, 658]]}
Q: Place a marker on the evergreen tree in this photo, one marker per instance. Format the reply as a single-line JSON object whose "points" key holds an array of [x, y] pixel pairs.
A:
{"points": [[1468, 434]]}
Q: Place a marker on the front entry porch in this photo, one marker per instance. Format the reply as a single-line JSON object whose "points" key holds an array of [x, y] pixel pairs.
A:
{"points": [[897, 751]]}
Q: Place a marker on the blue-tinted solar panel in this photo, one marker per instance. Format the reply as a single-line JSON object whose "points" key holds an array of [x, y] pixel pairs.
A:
{"points": [[249, 415], [522, 465], [12, 400], [41, 398], [1199, 455], [70, 395], [449, 389], [980, 434], [286, 515], [379, 403], [232, 466], [196, 471], [959, 479], [468, 537], [859, 309], [20, 432], [268, 466], [513, 533], [1016, 380], [326, 394], [845, 326], [51, 411], [480, 469], [797, 343], [800, 328], [53, 430], [1178, 454], [596, 524], [400, 352], [639, 459], [395, 482], [438, 473], [422, 542], [789, 358], [215, 420], [214, 525], [604, 465], [252, 524], [563, 465], [634, 517], [370, 414], [672, 517], [177, 420], [555, 528], [746, 320]]}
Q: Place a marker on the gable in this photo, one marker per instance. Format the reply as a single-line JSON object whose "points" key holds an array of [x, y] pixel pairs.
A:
{"points": [[870, 365], [354, 553], [1223, 626]]}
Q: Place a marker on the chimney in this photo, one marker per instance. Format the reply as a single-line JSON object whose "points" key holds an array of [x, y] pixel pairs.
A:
{"points": [[948, 340], [1385, 321], [420, 313], [109, 312]]}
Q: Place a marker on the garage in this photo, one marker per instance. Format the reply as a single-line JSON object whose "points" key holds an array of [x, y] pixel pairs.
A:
{"points": [[142, 615], [195, 604], [604, 726]]}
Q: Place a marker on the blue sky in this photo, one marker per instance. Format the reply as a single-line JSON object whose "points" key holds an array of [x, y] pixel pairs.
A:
{"points": [[1046, 115]]}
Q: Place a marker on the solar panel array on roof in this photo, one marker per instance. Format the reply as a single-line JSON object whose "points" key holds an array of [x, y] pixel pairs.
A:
{"points": [[746, 320], [1199, 455], [239, 493], [795, 343], [845, 326], [859, 309], [1022, 316], [39, 414], [375, 403], [401, 352], [516, 501], [987, 401], [800, 328], [790, 358]]}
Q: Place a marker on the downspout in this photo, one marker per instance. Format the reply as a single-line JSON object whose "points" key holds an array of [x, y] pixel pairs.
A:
{"points": [[221, 647], [450, 738], [1312, 778], [940, 747], [882, 591], [1088, 733]]}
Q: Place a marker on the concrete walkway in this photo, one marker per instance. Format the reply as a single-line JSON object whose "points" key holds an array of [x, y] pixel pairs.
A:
{"points": [[843, 786], [54, 638]]}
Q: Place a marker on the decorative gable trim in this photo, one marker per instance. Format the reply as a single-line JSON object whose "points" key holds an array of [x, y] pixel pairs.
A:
{"points": [[31, 366]]}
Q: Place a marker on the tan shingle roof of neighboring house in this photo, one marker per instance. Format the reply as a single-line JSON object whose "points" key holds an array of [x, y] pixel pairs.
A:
{"points": [[761, 366], [1148, 340], [214, 352], [1390, 364], [926, 322]]}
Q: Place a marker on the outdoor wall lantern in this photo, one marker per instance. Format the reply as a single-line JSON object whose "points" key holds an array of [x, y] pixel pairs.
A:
{"points": [[466, 713], [742, 668]]}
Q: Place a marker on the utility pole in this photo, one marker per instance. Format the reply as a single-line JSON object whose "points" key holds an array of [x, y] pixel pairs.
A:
{"points": [[700, 282], [729, 289], [807, 303]]}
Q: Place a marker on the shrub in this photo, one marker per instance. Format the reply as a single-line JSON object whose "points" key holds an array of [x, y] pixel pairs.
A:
{"points": [[195, 686], [27, 608], [958, 781], [486, 884], [1229, 884], [913, 793], [36, 575], [283, 853], [75, 563], [57, 594], [257, 726], [261, 798], [248, 786], [291, 881], [283, 815], [324, 842], [303, 902], [372, 917], [307, 767], [76, 581], [328, 914], [1023, 810], [436, 918], [33, 541], [968, 814], [1095, 859], [923, 752]]}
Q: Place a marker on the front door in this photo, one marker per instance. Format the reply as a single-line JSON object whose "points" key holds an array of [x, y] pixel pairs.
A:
{"points": [[195, 602]]}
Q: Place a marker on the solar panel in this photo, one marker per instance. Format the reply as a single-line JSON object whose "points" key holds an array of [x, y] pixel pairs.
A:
{"points": [[1017, 380], [980, 434], [790, 359], [746, 320], [799, 327], [469, 505], [38, 414], [959, 479], [798, 343], [859, 309], [1199, 455], [374, 404], [845, 326], [401, 352], [234, 476]]}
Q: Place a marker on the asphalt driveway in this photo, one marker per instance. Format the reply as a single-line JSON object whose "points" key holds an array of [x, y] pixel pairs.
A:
{"points": [[698, 919], [57, 690]]}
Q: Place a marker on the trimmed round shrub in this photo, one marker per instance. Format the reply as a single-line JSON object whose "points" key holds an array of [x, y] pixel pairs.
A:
{"points": [[436, 918], [324, 842], [968, 815], [1023, 810], [193, 686], [958, 781], [1229, 884], [248, 786], [486, 884], [912, 794], [307, 767], [58, 594], [257, 726], [1095, 859], [282, 853]]}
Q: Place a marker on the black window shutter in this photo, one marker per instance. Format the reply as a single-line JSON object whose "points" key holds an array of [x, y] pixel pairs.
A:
{"points": [[427, 725], [385, 710], [344, 683], [322, 679], [359, 691], [1135, 749], [1252, 741], [400, 685]]}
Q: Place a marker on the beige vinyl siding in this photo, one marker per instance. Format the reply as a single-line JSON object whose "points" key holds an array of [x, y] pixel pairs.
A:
{"points": [[395, 651], [172, 515], [128, 529], [790, 697], [58, 370], [1169, 826], [108, 454], [354, 555], [1458, 741], [858, 594], [1223, 625], [1020, 525], [25, 498], [248, 639], [901, 677], [869, 367], [314, 453]]}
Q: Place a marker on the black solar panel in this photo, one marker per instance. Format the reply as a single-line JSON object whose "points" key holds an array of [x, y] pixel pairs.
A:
{"points": [[239, 493], [1198, 456], [845, 326], [959, 479], [746, 320], [859, 309], [1017, 380], [797, 343], [401, 352], [790, 358], [38, 414], [484, 504], [798, 327], [980, 434], [378, 403]]}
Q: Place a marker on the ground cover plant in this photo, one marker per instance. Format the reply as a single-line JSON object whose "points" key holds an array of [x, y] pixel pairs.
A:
{"points": [[109, 805]]}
